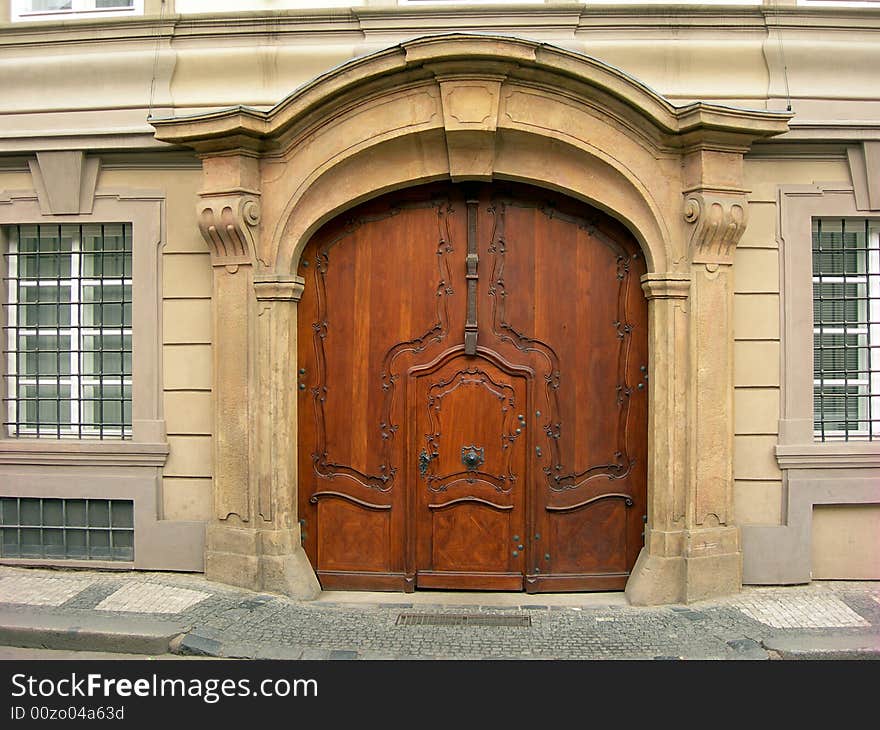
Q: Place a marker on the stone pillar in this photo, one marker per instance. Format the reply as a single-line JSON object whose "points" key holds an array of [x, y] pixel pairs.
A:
{"points": [[285, 566], [713, 561], [658, 575], [253, 539], [692, 548]]}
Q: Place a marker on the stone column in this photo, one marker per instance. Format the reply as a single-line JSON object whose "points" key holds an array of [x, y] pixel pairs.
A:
{"points": [[658, 575], [692, 548], [253, 539], [712, 556], [285, 566]]}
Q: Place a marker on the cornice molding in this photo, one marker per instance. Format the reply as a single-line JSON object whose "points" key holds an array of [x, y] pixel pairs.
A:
{"points": [[242, 128], [500, 17]]}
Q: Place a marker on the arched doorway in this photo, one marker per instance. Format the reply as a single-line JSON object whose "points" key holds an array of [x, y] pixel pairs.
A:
{"points": [[473, 393], [473, 108]]}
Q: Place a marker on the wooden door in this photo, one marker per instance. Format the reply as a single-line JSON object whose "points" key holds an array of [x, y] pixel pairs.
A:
{"points": [[467, 416], [473, 394]]}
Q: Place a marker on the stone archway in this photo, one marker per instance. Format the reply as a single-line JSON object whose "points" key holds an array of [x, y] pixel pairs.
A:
{"points": [[460, 107]]}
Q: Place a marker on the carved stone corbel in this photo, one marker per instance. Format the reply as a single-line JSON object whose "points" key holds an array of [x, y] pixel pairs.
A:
{"points": [[229, 222], [718, 221]]}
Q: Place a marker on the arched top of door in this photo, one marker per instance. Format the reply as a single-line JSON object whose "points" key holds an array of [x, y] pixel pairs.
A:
{"points": [[466, 107]]}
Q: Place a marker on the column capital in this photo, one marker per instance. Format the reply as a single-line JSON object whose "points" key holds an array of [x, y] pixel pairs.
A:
{"points": [[666, 286], [229, 222], [277, 288], [718, 219]]}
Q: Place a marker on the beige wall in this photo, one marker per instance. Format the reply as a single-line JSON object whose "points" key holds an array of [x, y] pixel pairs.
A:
{"points": [[186, 338], [846, 542], [845, 538], [148, 193], [757, 300], [757, 478], [683, 53]]}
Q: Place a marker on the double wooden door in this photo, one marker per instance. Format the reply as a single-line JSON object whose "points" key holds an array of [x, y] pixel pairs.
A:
{"points": [[472, 378]]}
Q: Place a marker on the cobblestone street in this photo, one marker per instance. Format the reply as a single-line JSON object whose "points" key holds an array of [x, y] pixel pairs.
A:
{"points": [[198, 617]]}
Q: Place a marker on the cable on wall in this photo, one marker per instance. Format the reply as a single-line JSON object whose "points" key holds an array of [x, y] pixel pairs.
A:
{"points": [[156, 58], [782, 54]]}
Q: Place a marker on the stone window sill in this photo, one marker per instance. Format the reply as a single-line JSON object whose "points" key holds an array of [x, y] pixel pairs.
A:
{"points": [[82, 453], [829, 455]]}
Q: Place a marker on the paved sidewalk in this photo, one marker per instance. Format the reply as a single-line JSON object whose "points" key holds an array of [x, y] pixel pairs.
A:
{"points": [[159, 613]]}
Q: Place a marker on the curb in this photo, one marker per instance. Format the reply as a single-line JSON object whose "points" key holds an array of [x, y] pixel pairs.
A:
{"points": [[88, 633], [203, 644], [834, 647]]}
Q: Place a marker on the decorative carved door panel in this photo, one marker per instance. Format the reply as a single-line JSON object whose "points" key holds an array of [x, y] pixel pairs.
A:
{"points": [[472, 379], [468, 419]]}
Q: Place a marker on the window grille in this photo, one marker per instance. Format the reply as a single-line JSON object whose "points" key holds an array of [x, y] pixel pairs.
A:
{"points": [[75, 529], [846, 329], [68, 331]]}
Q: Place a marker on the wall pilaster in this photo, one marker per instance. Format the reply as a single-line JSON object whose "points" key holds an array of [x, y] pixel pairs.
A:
{"points": [[712, 556], [254, 538], [692, 547], [285, 567], [658, 575]]}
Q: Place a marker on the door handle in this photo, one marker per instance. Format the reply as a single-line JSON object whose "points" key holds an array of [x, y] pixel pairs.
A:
{"points": [[425, 459]]}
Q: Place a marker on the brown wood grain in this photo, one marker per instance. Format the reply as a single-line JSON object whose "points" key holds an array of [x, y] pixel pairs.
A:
{"points": [[554, 398]]}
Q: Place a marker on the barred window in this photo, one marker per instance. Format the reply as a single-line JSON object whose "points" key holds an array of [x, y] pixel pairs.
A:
{"points": [[68, 331], [846, 329]]}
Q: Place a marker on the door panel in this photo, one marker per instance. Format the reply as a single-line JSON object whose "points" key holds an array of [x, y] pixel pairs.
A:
{"points": [[427, 456], [571, 531], [361, 540], [468, 420], [564, 298]]}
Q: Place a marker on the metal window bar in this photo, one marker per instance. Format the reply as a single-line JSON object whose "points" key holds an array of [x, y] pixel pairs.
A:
{"points": [[846, 327], [82, 534], [48, 277]]}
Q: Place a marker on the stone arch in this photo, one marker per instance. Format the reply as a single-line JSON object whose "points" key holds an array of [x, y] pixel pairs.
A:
{"points": [[598, 182], [473, 107]]}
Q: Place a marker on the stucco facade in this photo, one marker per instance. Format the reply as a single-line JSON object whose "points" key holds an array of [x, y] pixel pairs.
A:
{"points": [[715, 134]]}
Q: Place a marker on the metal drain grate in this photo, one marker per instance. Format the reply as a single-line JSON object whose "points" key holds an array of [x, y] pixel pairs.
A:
{"points": [[462, 619]]}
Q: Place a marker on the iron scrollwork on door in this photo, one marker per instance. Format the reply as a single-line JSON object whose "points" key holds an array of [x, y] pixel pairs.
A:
{"points": [[424, 460], [472, 457]]}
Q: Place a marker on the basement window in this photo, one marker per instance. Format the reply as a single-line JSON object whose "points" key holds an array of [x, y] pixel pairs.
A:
{"points": [[72, 529]]}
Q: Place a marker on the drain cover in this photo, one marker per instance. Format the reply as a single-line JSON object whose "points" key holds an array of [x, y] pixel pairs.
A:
{"points": [[462, 619]]}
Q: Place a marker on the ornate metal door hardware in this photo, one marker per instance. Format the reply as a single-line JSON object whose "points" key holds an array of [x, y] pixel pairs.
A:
{"points": [[425, 459], [472, 457], [470, 326]]}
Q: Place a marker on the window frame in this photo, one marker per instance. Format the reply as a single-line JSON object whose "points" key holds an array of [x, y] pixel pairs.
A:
{"points": [[798, 447], [144, 210]]}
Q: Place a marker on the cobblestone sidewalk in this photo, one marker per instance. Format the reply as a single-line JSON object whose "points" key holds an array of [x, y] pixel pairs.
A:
{"points": [[823, 619]]}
